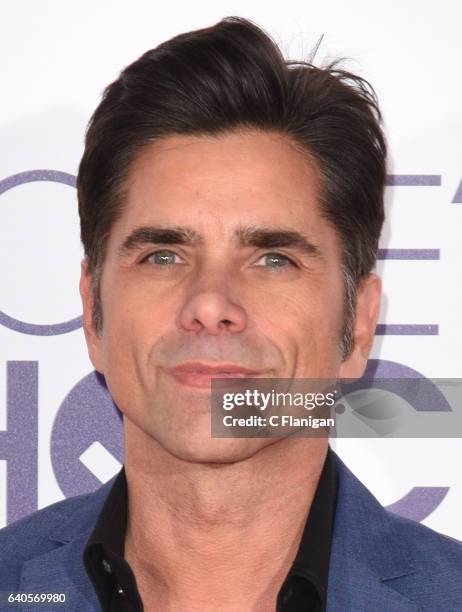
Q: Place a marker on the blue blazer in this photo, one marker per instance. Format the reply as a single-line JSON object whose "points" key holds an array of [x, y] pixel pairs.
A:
{"points": [[380, 562]]}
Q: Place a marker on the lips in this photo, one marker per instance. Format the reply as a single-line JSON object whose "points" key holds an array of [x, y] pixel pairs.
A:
{"points": [[198, 374]]}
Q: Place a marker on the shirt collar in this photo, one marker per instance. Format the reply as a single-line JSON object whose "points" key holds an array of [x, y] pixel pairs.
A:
{"points": [[311, 562]]}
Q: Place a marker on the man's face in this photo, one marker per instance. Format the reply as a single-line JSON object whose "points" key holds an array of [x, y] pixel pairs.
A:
{"points": [[248, 274]]}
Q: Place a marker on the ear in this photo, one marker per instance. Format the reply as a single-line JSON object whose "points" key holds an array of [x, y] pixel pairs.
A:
{"points": [[366, 316], [92, 338]]}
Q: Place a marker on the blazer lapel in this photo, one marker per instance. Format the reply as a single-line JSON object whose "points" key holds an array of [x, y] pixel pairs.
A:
{"points": [[354, 587], [367, 553], [61, 569]]}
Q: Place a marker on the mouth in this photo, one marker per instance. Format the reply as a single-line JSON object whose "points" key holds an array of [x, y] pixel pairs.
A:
{"points": [[200, 375]]}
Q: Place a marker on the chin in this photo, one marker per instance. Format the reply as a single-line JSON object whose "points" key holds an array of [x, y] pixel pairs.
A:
{"points": [[215, 450]]}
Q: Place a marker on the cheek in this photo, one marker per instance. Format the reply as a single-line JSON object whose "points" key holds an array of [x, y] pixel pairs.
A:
{"points": [[132, 325], [308, 323], [132, 319], [132, 305], [315, 309]]}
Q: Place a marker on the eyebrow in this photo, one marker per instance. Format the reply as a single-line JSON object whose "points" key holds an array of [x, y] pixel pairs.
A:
{"points": [[262, 237], [253, 236], [158, 235]]}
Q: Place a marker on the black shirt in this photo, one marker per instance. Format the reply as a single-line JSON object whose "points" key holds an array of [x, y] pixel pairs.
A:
{"points": [[304, 589]]}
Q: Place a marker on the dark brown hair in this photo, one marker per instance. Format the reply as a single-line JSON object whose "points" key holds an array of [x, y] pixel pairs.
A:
{"points": [[233, 76]]}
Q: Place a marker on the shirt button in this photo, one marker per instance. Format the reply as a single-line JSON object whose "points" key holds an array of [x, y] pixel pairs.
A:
{"points": [[120, 590], [107, 566]]}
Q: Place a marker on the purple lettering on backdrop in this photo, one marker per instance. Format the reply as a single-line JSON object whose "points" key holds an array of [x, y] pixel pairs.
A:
{"points": [[419, 502], [457, 199], [406, 329], [409, 254], [19, 442], [32, 176], [424, 397], [414, 180], [87, 414]]}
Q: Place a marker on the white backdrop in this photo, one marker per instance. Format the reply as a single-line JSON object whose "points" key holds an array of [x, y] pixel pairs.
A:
{"points": [[56, 57]]}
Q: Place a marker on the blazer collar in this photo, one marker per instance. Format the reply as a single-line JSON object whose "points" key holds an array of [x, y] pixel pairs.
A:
{"points": [[369, 552], [82, 518], [61, 570]]}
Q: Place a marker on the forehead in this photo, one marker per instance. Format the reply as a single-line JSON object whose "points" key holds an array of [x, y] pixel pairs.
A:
{"points": [[218, 182]]}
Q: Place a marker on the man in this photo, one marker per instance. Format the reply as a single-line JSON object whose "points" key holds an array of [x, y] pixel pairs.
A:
{"points": [[231, 205]]}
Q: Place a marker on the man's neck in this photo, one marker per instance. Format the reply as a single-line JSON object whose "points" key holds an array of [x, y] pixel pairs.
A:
{"points": [[199, 533]]}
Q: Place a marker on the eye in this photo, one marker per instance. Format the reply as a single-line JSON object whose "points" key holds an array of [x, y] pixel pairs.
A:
{"points": [[276, 261], [163, 257]]}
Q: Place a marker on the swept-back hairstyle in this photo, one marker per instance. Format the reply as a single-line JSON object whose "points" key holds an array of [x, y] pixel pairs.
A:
{"points": [[233, 76]]}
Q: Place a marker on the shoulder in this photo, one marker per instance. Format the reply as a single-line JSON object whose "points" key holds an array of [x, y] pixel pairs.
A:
{"points": [[32, 536], [428, 549], [29, 535], [47, 529], [370, 517], [388, 554], [379, 533], [435, 582]]}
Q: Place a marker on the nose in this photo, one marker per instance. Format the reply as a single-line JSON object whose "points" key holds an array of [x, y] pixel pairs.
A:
{"points": [[210, 307]]}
